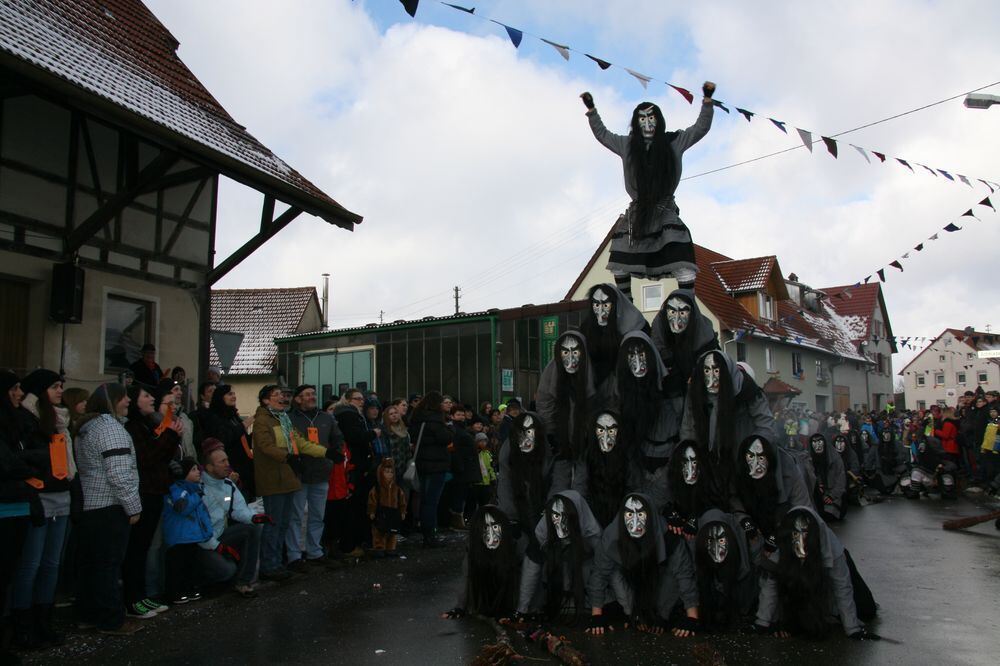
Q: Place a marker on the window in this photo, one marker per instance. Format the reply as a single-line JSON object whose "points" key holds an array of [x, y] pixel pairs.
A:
{"points": [[821, 375], [982, 378], [652, 296], [128, 325], [921, 404], [797, 365], [880, 363], [970, 356], [938, 378], [960, 378], [942, 403], [769, 359], [921, 380], [741, 352], [941, 358], [765, 305]]}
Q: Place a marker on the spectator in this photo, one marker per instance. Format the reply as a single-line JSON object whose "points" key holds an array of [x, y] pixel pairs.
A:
{"points": [[386, 510], [358, 437], [213, 374], [111, 505], [172, 395], [485, 409], [432, 461], [146, 370], [412, 403], [483, 490], [157, 444], [75, 400], [179, 375], [380, 447], [320, 428], [232, 552], [464, 468], [45, 432], [396, 437], [186, 524], [512, 412], [222, 421]]}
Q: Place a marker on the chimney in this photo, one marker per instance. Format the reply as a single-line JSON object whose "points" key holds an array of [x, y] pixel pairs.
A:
{"points": [[326, 301]]}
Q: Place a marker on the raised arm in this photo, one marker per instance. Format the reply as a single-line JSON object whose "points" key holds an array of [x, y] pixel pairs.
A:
{"points": [[692, 135], [616, 143]]}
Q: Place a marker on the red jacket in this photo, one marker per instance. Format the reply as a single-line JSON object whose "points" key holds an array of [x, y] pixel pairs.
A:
{"points": [[340, 477], [947, 434]]}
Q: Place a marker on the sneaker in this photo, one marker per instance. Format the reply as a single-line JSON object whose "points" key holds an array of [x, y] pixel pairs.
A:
{"points": [[277, 575], [194, 596], [140, 611], [179, 601], [127, 628], [246, 591], [155, 606]]}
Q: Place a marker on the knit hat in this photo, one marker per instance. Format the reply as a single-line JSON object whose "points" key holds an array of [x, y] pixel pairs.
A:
{"points": [[302, 387], [210, 444], [7, 380], [186, 465], [39, 380], [481, 437], [372, 401]]}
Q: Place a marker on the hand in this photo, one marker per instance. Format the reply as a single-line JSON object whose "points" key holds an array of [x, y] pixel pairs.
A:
{"points": [[234, 477], [708, 88], [294, 461], [770, 545], [177, 426], [247, 422], [262, 519], [228, 552], [378, 432], [588, 100], [691, 528], [749, 528], [863, 634], [132, 520]]}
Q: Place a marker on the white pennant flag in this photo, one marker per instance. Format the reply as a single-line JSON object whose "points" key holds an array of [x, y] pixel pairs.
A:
{"points": [[863, 153], [964, 180], [807, 138], [643, 79], [563, 50]]}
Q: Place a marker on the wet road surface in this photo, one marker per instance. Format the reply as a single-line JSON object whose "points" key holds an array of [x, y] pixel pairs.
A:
{"points": [[939, 594]]}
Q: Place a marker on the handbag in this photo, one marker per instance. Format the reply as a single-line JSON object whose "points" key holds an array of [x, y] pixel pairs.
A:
{"points": [[410, 475]]}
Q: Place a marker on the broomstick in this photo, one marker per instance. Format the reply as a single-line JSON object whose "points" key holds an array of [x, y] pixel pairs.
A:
{"points": [[962, 523]]}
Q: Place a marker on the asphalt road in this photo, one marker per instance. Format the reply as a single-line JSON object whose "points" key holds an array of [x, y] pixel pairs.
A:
{"points": [[939, 594]]}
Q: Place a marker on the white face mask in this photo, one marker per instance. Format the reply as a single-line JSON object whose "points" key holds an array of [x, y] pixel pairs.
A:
{"points": [[635, 517], [711, 370], [800, 531], [818, 445], [678, 314], [718, 544], [647, 122], [607, 432], [601, 304], [492, 531], [839, 443], [527, 443], [637, 365], [689, 468], [569, 353], [558, 513], [756, 460]]}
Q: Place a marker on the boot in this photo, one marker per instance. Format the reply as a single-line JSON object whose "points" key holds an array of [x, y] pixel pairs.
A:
{"points": [[912, 491], [24, 629], [46, 635], [457, 521]]}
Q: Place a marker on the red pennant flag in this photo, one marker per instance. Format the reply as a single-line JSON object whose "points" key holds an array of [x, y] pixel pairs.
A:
{"points": [[879, 155], [881, 274], [987, 202], [831, 145], [603, 64], [895, 264], [685, 93]]}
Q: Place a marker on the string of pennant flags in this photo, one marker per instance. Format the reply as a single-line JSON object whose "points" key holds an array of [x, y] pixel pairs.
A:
{"points": [[831, 144]]}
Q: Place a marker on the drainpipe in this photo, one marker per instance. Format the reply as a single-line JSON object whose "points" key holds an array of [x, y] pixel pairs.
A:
{"points": [[326, 301]]}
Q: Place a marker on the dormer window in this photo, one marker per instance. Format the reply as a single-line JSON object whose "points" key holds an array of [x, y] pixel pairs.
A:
{"points": [[766, 306]]}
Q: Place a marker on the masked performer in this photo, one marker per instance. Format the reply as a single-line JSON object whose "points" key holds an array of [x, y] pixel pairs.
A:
{"points": [[852, 468], [813, 584], [650, 240], [693, 490], [607, 468], [633, 567], [611, 316], [558, 572], [524, 468], [727, 583], [831, 481], [682, 335], [886, 462], [649, 422], [931, 470], [723, 407], [565, 393], [768, 483], [491, 567]]}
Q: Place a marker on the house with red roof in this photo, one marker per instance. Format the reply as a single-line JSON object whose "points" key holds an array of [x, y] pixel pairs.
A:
{"points": [[817, 348], [954, 362], [111, 155]]}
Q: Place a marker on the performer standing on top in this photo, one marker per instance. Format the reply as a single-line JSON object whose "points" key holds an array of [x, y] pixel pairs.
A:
{"points": [[649, 239]]}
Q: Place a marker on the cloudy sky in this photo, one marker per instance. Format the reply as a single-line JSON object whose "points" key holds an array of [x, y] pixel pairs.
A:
{"points": [[473, 164]]}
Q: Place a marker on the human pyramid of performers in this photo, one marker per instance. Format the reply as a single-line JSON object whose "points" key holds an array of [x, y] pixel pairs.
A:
{"points": [[646, 491]]}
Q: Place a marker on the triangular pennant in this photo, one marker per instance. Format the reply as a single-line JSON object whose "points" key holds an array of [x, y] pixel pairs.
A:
{"points": [[410, 6], [857, 284], [880, 156], [952, 227], [831, 145], [946, 174], [460, 8], [968, 213], [743, 112], [798, 339], [781, 125], [685, 93], [863, 153], [895, 264], [904, 163], [515, 35], [881, 274], [964, 179], [929, 170], [807, 138], [918, 247], [905, 256], [563, 50], [603, 64], [987, 202], [642, 78], [720, 105], [934, 237], [986, 184], [867, 279]]}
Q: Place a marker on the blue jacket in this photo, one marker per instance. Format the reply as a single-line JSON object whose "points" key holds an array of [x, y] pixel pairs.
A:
{"points": [[185, 516]]}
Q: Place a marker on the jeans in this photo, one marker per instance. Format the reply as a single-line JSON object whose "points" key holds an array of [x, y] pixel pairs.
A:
{"points": [[313, 495], [103, 541], [37, 572], [431, 487], [279, 507], [218, 569]]}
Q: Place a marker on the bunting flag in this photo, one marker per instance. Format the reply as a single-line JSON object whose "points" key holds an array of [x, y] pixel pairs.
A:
{"points": [[867, 279], [906, 255], [563, 50], [918, 247], [934, 237], [831, 145], [743, 112], [515, 35], [964, 179], [946, 174], [806, 137], [952, 227], [969, 213], [895, 264], [881, 274], [904, 163], [880, 156], [929, 170], [410, 6], [862, 152], [460, 8], [780, 125], [987, 202], [603, 64], [720, 105], [643, 79], [685, 93]]}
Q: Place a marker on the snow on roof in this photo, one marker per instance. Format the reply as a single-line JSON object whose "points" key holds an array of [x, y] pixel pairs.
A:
{"points": [[741, 275]]}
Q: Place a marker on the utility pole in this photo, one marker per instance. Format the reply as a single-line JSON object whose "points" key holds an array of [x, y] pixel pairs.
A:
{"points": [[457, 290], [381, 317], [989, 328]]}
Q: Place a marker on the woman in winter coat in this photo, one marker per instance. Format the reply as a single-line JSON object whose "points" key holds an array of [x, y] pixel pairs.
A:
{"points": [[431, 437], [359, 437], [222, 421]]}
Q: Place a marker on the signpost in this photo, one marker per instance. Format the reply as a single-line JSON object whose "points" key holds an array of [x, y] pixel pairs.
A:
{"points": [[507, 380], [550, 331]]}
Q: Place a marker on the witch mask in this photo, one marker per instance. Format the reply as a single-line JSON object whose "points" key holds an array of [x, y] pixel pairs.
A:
{"points": [[800, 533], [601, 303], [492, 532], [638, 363], [840, 443], [689, 468], [757, 461], [607, 432], [569, 353], [717, 543], [678, 314], [647, 122], [635, 516], [711, 371], [528, 431], [558, 516], [818, 445]]}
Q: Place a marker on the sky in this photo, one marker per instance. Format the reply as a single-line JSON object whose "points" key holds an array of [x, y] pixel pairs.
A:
{"points": [[473, 164]]}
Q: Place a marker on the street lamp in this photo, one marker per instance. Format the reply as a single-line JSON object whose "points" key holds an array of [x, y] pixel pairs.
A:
{"points": [[981, 101]]}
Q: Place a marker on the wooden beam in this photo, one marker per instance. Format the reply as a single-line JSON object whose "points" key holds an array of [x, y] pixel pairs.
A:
{"points": [[180, 178], [151, 173], [251, 246], [266, 212]]}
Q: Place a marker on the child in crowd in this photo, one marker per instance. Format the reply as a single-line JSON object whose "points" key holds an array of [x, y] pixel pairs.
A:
{"points": [[386, 510], [186, 523], [484, 489]]}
